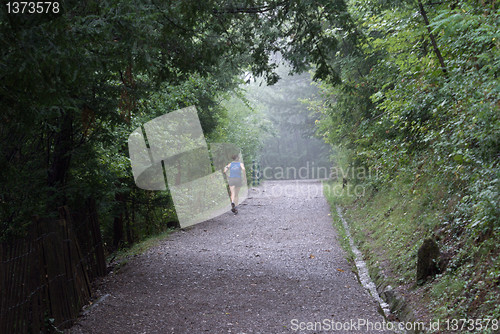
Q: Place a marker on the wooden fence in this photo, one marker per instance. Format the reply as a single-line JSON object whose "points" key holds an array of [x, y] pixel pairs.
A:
{"points": [[45, 278]]}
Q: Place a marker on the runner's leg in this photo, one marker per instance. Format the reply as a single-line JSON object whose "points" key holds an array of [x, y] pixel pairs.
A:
{"points": [[232, 190], [236, 192]]}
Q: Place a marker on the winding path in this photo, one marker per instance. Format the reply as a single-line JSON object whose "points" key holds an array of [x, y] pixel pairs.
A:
{"points": [[276, 267]]}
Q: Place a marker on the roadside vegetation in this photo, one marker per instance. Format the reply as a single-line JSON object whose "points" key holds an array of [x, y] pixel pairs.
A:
{"points": [[418, 110]]}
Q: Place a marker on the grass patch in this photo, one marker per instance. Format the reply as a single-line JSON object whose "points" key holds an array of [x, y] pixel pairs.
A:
{"points": [[122, 255]]}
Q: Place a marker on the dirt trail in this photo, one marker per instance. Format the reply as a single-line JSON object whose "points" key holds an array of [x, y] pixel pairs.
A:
{"points": [[270, 269]]}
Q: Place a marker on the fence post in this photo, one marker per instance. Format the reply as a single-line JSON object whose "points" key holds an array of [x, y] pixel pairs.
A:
{"points": [[95, 231], [254, 182], [75, 258], [258, 173], [37, 272]]}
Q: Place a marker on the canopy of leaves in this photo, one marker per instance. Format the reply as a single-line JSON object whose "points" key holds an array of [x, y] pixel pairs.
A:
{"points": [[73, 84]]}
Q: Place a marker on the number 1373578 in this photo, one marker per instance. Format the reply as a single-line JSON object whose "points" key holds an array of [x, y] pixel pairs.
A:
{"points": [[33, 7]]}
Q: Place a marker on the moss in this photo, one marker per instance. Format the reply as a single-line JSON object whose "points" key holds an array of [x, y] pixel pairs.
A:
{"points": [[121, 256]]}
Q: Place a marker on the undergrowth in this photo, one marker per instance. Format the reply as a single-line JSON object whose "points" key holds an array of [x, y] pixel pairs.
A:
{"points": [[389, 224], [122, 255]]}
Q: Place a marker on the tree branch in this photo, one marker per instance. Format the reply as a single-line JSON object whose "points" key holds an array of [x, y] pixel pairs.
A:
{"points": [[251, 10]]}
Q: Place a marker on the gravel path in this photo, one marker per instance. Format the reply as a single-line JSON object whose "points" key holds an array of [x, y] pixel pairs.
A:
{"points": [[276, 267]]}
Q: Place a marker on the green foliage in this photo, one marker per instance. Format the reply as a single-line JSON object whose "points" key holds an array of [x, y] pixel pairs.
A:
{"points": [[396, 104], [244, 125], [412, 121]]}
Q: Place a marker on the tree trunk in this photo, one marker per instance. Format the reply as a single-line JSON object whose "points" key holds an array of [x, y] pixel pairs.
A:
{"points": [[118, 221], [60, 161], [431, 36], [128, 225], [126, 105]]}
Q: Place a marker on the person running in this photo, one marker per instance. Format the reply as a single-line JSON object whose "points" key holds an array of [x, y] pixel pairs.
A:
{"points": [[235, 180]]}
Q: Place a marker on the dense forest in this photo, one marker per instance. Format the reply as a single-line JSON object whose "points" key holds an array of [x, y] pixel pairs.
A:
{"points": [[407, 89]]}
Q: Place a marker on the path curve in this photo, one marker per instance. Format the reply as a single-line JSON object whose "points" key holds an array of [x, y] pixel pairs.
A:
{"points": [[276, 267]]}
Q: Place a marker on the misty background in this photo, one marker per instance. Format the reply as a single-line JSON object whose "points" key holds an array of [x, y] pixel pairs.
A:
{"points": [[291, 146]]}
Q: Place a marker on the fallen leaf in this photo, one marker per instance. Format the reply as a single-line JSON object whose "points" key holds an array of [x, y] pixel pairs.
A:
{"points": [[340, 270], [311, 256]]}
